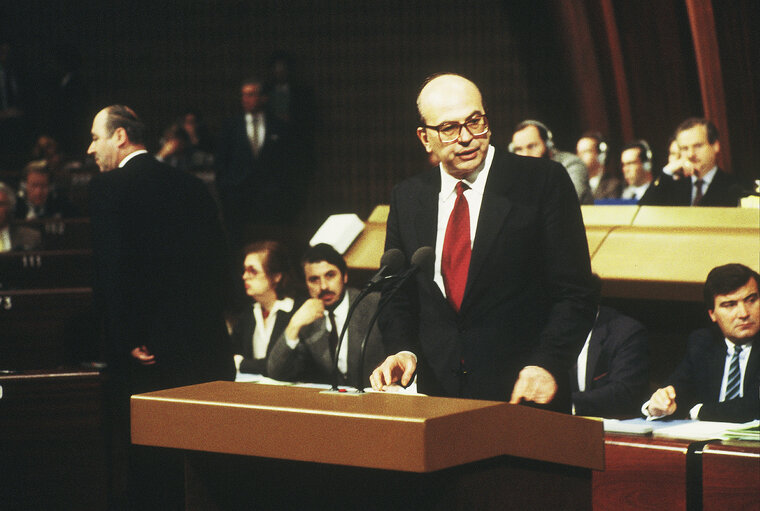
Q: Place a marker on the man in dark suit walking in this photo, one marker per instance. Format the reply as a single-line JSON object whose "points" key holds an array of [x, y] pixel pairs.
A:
{"points": [[161, 265], [719, 379], [305, 351], [509, 303]]}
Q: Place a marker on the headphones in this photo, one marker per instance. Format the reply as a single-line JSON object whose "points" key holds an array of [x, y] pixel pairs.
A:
{"points": [[601, 148], [646, 151], [543, 132]]}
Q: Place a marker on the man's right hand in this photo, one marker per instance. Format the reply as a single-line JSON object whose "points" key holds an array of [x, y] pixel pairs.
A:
{"points": [[398, 368], [662, 402], [311, 310]]}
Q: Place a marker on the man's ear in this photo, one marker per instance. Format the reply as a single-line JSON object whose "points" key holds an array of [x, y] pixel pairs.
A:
{"points": [[711, 312], [423, 136], [716, 146], [120, 136]]}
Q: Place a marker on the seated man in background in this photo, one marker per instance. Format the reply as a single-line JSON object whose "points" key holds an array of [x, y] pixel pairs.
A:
{"points": [[14, 237], [612, 374], [719, 379], [636, 161], [37, 199], [268, 278], [533, 138], [592, 150], [305, 351], [697, 180]]}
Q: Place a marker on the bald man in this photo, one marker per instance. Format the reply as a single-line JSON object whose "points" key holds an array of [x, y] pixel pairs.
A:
{"points": [[509, 302]]}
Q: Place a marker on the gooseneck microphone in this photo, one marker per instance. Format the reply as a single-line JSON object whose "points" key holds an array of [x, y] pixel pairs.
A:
{"points": [[422, 260], [391, 263]]}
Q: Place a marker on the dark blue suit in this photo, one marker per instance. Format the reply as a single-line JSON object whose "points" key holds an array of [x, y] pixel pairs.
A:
{"points": [[528, 298], [617, 368], [698, 379]]}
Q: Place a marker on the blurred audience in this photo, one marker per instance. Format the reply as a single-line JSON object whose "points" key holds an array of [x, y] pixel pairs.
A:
{"points": [[14, 237], [592, 150], [533, 138], [37, 199]]}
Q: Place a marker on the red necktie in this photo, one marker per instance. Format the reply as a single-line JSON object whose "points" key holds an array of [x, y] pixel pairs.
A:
{"points": [[455, 260]]}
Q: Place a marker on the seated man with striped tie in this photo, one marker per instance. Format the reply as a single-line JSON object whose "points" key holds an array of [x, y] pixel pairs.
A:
{"points": [[304, 352], [719, 379]]}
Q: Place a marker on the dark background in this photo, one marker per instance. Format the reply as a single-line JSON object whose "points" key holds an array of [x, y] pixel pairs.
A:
{"points": [[364, 61]]}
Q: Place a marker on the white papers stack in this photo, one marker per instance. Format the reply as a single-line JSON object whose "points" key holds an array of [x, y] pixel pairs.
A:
{"points": [[339, 231], [697, 430]]}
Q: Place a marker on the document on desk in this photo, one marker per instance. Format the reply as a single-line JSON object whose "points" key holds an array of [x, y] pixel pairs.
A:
{"points": [[748, 431], [697, 430]]}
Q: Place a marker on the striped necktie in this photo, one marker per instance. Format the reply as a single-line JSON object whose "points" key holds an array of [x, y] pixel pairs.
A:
{"points": [[733, 385]]}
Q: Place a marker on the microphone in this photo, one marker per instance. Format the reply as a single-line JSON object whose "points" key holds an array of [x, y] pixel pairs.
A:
{"points": [[390, 264], [422, 260]]}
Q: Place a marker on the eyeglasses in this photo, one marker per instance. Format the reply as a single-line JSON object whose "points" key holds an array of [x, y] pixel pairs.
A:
{"points": [[450, 131]]}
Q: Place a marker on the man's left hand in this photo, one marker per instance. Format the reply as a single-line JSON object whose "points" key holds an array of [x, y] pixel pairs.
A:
{"points": [[534, 384]]}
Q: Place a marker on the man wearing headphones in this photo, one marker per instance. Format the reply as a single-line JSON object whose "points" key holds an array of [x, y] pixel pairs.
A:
{"points": [[636, 160], [592, 150], [533, 138]]}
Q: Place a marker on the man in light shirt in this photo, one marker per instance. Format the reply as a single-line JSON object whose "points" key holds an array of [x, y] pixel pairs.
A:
{"points": [[305, 351], [719, 379]]}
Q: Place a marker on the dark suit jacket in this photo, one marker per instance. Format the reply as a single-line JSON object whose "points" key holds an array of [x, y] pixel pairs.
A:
{"points": [[312, 361], [161, 266], [242, 338], [617, 368], [256, 188], [55, 207], [609, 187], [528, 299], [724, 191], [698, 379]]}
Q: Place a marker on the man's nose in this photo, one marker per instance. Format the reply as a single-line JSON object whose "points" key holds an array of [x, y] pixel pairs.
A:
{"points": [[465, 136], [743, 310]]}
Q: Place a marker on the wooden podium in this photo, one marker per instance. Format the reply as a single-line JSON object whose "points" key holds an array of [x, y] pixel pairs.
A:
{"points": [[273, 447]]}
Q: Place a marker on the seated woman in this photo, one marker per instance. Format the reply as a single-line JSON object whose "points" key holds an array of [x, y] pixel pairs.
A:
{"points": [[267, 276]]}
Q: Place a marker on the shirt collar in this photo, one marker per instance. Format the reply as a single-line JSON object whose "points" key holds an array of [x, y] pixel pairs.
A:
{"points": [[707, 177], [284, 305], [476, 180], [731, 346], [130, 156]]}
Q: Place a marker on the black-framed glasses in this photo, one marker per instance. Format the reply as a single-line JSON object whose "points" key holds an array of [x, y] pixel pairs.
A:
{"points": [[448, 132]]}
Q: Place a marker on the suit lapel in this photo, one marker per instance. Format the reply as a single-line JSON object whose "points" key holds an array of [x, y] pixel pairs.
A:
{"points": [[596, 343], [493, 211], [751, 371], [716, 362], [279, 327], [426, 216]]}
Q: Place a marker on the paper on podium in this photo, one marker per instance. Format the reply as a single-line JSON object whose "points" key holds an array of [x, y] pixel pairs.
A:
{"points": [[339, 231], [630, 427]]}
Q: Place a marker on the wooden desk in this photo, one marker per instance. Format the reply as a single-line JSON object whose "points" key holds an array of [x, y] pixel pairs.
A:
{"points": [[46, 269], [731, 476], [294, 447], [53, 441], [642, 473], [47, 328]]}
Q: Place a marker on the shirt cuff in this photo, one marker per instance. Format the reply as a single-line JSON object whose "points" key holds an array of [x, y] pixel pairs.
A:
{"points": [[292, 343], [237, 359], [694, 412], [649, 416]]}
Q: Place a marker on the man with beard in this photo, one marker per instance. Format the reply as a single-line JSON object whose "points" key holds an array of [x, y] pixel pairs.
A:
{"points": [[305, 351]]}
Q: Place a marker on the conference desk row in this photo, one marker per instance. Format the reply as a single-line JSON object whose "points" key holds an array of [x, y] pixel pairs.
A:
{"points": [[640, 252]]}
